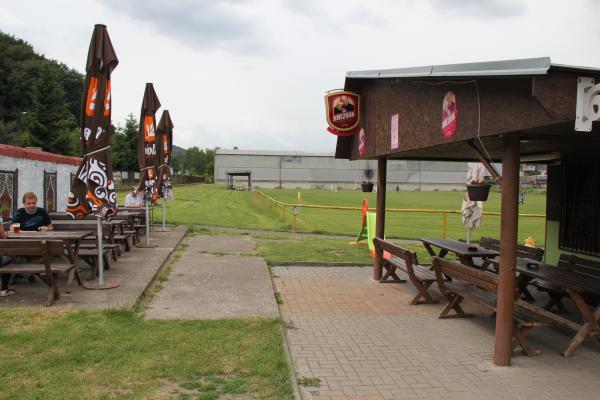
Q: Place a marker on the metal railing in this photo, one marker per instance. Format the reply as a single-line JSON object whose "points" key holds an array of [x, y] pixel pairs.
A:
{"points": [[444, 213]]}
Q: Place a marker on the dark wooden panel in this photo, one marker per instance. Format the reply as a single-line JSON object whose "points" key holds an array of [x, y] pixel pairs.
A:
{"points": [[553, 193]]}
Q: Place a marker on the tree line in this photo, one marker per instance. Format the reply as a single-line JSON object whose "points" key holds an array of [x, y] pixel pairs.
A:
{"points": [[40, 106]]}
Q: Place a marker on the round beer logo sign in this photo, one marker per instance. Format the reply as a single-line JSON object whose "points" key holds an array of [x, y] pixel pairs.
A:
{"points": [[343, 112], [449, 115]]}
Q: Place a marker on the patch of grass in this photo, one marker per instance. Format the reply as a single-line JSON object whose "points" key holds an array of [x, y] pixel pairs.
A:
{"points": [[117, 354], [314, 249], [278, 299], [306, 381]]}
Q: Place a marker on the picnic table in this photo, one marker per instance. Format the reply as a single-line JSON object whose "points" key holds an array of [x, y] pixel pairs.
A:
{"points": [[575, 285], [70, 241], [465, 252], [69, 238]]}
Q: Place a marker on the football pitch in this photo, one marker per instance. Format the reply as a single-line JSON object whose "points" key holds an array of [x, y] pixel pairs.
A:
{"points": [[214, 205]]}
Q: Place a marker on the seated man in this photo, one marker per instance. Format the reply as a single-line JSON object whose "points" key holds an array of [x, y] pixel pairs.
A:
{"points": [[5, 290], [134, 198], [31, 217]]}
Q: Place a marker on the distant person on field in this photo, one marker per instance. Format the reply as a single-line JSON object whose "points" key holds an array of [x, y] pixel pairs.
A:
{"points": [[31, 217], [521, 198], [134, 199]]}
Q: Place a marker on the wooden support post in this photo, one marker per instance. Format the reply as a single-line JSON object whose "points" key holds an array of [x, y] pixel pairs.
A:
{"points": [[380, 225], [444, 225], [508, 250]]}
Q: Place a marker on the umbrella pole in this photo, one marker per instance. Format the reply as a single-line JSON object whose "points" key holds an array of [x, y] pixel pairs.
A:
{"points": [[468, 235], [100, 284], [147, 245], [147, 225], [164, 211], [100, 251]]}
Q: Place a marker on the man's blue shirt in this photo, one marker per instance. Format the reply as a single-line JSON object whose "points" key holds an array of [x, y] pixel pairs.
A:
{"points": [[31, 222]]}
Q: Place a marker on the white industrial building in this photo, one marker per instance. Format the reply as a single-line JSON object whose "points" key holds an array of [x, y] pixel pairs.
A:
{"points": [[296, 169], [48, 175]]}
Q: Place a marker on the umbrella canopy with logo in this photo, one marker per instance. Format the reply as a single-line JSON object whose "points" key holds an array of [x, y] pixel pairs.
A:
{"points": [[165, 133], [148, 144], [472, 211], [92, 189]]}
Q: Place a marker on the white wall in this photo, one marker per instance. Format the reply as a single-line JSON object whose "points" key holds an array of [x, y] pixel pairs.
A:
{"points": [[31, 178]]}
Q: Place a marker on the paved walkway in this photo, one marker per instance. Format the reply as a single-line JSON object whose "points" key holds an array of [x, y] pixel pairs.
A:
{"points": [[134, 270], [216, 277], [363, 341]]}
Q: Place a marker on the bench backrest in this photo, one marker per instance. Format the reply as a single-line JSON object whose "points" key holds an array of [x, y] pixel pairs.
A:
{"points": [[33, 247], [579, 265], [463, 273], [409, 257], [83, 226], [532, 253]]}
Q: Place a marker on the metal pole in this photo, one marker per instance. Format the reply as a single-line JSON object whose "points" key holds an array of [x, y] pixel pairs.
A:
{"points": [[508, 251], [147, 225], [380, 224], [100, 251], [164, 212]]}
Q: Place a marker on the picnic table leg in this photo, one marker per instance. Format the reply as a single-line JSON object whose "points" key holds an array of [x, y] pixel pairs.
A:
{"points": [[422, 292], [73, 259], [467, 260], [431, 252], [520, 339], [591, 322], [454, 304], [522, 282]]}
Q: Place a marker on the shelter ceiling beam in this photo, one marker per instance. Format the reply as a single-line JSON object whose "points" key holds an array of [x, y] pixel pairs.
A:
{"points": [[485, 161]]}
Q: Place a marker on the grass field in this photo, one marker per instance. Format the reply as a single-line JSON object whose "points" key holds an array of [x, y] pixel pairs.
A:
{"points": [[213, 205], [116, 354]]}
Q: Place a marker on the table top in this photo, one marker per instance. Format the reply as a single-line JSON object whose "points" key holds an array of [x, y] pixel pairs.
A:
{"points": [[55, 235], [559, 276], [460, 248]]}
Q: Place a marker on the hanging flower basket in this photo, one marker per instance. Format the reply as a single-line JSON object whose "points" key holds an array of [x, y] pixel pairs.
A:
{"points": [[478, 191], [367, 186]]}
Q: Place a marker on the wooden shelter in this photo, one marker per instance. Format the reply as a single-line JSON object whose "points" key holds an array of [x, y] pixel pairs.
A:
{"points": [[503, 111]]}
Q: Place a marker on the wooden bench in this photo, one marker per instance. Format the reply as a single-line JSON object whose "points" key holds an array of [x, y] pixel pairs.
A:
{"points": [[586, 268], [481, 287], [421, 276], [47, 271], [532, 253]]}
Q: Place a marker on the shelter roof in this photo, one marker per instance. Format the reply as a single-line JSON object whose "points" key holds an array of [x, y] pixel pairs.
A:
{"points": [[38, 155], [272, 153], [531, 98], [525, 66]]}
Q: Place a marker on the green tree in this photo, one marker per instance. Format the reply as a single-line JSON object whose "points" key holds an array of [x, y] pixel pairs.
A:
{"points": [[124, 145]]}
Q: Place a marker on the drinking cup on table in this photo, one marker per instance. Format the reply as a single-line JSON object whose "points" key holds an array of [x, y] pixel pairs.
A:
{"points": [[17, 228]]}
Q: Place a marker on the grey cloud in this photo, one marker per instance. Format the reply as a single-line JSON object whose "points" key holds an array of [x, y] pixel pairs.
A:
{"points": [[482, 8], [216, 24]]}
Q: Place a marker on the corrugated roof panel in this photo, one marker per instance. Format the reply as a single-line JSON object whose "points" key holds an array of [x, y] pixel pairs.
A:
{"points": [[272, 153], [527, 66]]}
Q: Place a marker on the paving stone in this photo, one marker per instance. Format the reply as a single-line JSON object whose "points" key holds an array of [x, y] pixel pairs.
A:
{"points": [[380, 346]]}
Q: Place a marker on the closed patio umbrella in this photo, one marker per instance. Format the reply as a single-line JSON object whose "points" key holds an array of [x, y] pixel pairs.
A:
{"points": [[165, 133], [92, 188], [472, 211], [164, 186], [148, 151]]}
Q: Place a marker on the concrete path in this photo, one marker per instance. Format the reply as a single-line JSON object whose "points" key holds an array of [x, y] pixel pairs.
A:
{"points": [[134, 270], [216, 277], [363, 341]]}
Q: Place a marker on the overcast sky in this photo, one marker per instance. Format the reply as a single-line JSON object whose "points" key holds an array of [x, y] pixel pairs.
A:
{"points": [[253, 74]]}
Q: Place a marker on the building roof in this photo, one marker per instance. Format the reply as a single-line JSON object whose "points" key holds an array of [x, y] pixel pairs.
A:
{"points": [[240, 152], [38, 155], [525, 66]]}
